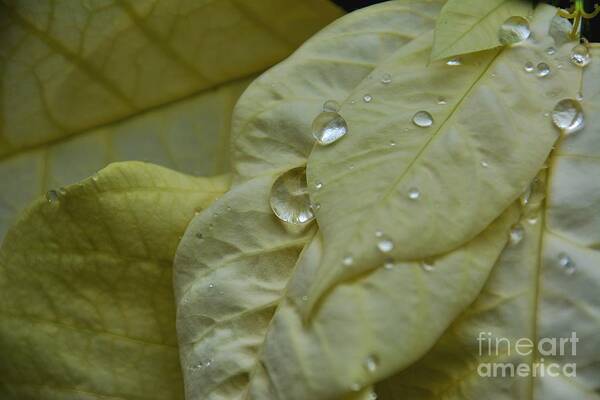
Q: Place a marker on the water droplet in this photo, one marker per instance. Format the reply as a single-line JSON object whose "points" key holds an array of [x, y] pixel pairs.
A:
{"points": [[318, 185], [388, 264], [316, 206], [568, 116], [427, 265], [525, 196], [441, 101], [580, 55], [289, 197], [484, 164], [228, 208], [532, 220], [551, 51], [579, 96], [528, 67], [95, 178], [566, 262], [331, 106], [386, 78], [422, 119], [454, 62], [328, 127], [371, 363], [51, 196], [414, 193], [348, 261], [367, 98], [211, 285], [514, 30], [543, 70], [385, 245], [546, 114], [351, 166], [372, 396], [304, 298], [516, 234], [378, 233], [355, 387], [392, 143]]}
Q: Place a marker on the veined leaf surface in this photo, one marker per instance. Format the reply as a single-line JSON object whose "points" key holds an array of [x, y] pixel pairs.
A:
{"points": [[533, 292], [86, 298], [85, 83], [466, 26], [487, 142]]}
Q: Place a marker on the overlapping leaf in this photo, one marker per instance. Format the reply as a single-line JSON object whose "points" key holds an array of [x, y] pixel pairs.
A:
{"points": [[86, 299], [86, 83]]}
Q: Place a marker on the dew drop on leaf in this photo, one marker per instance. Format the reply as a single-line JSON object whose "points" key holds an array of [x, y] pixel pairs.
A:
{"points": [[331, 106], [514, 30], [328, 127], [532, 220], [484, 164], [355, 387], [388, 264], [371, 363], [566, 262], [386, 78], [528, 67], [441, 100], [422, 119], [348, 261], [580, 55], [516, 234], [51, 196], [289, 197], [318, 185], [385, 245], [543, 70], [551, 50], [211, 285], [372, 396], [367, 98], [454, 62], [427, 265], [414, 193], [568, 116]]}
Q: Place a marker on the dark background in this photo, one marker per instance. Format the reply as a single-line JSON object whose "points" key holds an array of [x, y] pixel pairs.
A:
{"points": [[590, 29]]}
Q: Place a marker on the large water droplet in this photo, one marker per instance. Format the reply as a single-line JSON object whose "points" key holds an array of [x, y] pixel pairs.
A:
{"points": [[454, 62], [566, 262], [514, 30], [543, 70], [414, 193], [422, 119], [516, 234], [528, 67], [289, 197], [371, 363], [367, 98], [328, 127], [580, 55], [386, 78], [51, 196], [568, 116], [385, 245], [331, 106]]}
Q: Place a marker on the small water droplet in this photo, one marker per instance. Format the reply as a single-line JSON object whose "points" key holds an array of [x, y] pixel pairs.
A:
{"points": [[367, 98], [371, 363], [351, 166], [378, 233], [516, 234], [316, 206], [543, 70], [422, 119], [546, 114], [385, 245], [579, 96], [318, 185], [528, 67], [348, 261], [392, 143], [388, 264], [484, 164], [372, 396], [304, 298], [386, 78], [514, 30], [289, 198], [532, 220], [211, 285], [414, 193], [568, 116], [551, 50], [51, 196], [328, 127], [355, 387], [580, 55], [566, 262], [427, 265], [441, 101], [95, 178], [454, 62], [331, 106]]}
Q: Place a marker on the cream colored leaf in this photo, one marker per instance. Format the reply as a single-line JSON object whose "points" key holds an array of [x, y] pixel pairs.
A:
{"points": [[272, 121], [89, 82], [545, 286], [467, 26], [426, 191], [86, 298]]}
